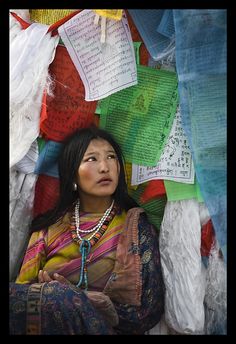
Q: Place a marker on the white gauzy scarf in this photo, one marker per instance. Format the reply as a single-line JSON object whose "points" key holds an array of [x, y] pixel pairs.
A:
{"points": [[31, 52], [183, 272]]}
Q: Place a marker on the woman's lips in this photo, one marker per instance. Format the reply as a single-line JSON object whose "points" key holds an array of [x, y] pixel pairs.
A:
{"points": [[104, 181]]}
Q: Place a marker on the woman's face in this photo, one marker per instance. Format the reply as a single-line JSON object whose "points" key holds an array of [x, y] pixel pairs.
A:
{"points": [[98, 173]]}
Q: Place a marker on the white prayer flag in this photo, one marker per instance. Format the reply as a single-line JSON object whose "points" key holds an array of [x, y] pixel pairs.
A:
{"points": [[104, 68]]}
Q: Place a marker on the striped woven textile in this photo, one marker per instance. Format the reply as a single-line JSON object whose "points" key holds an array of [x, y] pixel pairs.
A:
{"points": [[55, 251]]}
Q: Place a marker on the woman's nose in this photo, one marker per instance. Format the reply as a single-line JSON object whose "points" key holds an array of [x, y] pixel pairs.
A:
{"points": [[103, 166]]}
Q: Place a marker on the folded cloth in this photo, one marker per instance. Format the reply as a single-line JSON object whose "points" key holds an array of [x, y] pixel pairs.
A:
{"points": [[104, 306]]}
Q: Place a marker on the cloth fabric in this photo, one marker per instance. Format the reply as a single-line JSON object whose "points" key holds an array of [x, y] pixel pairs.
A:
{"points": [[154, 208], [53, 309], [201, 64], [21, 194], [66, 110], [216, 294], [139, 319], [154, 188], [104, 305], [180, 243], [24, 14], [46, 194], [207, 238], [31, 52], [143, 52], [137, 261], [48, 16], [52, 105], [111, 14], [55, 251]]}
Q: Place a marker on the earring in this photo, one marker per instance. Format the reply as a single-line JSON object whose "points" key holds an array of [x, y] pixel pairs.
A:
{"points": [[75, 187]]}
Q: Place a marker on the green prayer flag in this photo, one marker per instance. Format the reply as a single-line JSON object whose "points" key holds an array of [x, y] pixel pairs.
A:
{"points": [[179, 191], [154, 208], [136, 51], [41, 143], [140, 117]]}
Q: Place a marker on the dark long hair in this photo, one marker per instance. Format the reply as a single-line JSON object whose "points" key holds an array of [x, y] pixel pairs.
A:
{"points": [[69, 161]]}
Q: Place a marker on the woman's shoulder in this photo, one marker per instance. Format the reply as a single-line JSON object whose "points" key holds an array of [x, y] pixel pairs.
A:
{"points": [[65, 220], [136, 212], [134, 215], [138, 217]]}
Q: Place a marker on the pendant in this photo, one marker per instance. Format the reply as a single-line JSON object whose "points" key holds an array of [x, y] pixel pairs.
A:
{"points": [[84, 248]]}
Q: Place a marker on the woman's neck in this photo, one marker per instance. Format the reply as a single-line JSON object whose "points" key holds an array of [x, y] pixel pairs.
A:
{"points": [[95, 205]]}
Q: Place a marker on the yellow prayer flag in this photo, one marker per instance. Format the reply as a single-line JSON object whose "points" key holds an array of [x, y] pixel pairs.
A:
{"points": [[111, 14], [48, 16], [128, 174]]}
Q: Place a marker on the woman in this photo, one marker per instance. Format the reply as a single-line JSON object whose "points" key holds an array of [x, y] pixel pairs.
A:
{"points": [[92, 265]]}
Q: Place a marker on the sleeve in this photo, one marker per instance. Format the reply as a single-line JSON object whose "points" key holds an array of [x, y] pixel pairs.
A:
{"points": [[139, 319], [34, 259]]}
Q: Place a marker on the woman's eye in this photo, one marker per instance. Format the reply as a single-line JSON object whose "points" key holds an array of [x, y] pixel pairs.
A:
{"points": [[92, 158], [112, 156]]}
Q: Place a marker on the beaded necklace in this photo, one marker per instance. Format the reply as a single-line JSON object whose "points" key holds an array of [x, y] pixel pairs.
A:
{"points": [[86, 244]]}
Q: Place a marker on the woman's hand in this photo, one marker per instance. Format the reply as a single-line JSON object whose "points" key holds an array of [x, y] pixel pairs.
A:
{"points": [[43, 276]]}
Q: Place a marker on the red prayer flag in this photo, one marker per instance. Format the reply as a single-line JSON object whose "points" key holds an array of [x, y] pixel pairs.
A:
{"points": [[67, 110], [43, 114], [154, 188], [207, 238], [46, 194]]}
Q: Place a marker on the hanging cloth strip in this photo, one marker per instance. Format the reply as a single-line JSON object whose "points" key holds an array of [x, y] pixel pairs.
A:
{"points": [[180, 243], [32, 51], [104, 14]]}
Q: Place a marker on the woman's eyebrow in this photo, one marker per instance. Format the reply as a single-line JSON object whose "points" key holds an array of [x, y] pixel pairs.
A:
{"points": [[108, 151], [88, 153]]}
